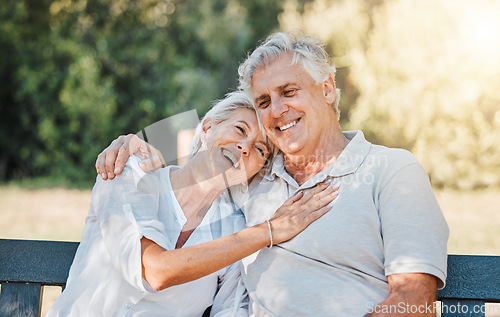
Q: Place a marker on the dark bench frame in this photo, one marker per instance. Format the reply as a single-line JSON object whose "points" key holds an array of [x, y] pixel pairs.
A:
{"points": [[28, 265]]}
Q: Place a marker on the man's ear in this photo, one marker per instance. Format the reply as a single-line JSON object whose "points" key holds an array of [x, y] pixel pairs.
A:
{"points": [[329, 90]]}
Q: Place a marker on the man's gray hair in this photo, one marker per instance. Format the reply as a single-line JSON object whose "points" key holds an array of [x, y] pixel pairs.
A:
{"points": [[306, 50]]}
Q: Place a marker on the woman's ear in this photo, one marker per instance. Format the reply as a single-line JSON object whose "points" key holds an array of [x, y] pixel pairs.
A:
{"points": [[206, 127]]}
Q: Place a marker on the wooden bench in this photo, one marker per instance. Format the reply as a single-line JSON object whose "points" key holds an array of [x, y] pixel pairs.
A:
{"points": [[28, 265], [25, 267]]}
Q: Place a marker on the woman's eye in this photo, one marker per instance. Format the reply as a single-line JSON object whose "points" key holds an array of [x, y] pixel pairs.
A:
{"points": [[262, 151]]}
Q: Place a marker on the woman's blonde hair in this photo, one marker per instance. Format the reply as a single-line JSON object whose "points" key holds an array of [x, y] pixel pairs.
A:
{"points": [[220, 111]]}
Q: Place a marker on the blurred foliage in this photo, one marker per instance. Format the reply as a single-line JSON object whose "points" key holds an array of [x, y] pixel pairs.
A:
{"points": [[421, 75], [77, 73]]}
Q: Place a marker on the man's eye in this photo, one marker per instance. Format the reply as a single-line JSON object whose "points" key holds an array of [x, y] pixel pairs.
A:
{"points": [[242, 131], [264, 104], [289, 92]]}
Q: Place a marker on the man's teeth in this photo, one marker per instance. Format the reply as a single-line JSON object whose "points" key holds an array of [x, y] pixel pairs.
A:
{"points": [[291, 124]]}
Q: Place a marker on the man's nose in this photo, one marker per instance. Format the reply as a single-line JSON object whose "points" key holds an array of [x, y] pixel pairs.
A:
{"points": [[278, 107]]}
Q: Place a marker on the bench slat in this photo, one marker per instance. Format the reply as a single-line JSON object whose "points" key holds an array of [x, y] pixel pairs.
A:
{"points": [[472, 277], [20, 299], [45, 262], [27, 265]]}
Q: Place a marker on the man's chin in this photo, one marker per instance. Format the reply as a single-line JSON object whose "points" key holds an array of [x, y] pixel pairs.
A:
{"points": [[290, 148]]}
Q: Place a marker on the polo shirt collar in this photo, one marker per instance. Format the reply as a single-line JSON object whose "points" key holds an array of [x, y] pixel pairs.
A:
{"points": [[352, 156], [348, 162]]}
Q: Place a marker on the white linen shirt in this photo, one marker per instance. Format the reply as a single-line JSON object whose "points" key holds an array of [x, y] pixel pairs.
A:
{"points": [[385, 221], [105, 278]]}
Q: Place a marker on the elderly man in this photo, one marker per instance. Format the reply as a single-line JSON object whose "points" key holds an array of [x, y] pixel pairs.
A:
{"points": [[382, 250]]}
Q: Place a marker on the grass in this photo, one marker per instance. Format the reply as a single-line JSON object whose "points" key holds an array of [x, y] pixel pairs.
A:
{"points": [[474, 221], [59, 214]]}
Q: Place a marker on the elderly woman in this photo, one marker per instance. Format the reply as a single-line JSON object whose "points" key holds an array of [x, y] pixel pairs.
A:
{"points": [[168, 243]]}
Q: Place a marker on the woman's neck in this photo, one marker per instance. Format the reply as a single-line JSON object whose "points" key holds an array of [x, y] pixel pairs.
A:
{"points": [[194, 192]]}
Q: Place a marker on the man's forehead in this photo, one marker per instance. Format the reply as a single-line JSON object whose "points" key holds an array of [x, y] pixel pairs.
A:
{"points": [[276, 74], [282, 61]]}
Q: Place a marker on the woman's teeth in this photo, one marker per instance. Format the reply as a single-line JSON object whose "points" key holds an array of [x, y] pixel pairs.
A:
{"points": [[230, 157]]}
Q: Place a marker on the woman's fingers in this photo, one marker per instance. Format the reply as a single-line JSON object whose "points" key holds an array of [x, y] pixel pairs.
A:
{"points": [[99, 165], [106, 160], [315, 214], [117, 152], [322, 198], [293, 199], [112, 160], [317, 193], [297, 213], [315, 190]]}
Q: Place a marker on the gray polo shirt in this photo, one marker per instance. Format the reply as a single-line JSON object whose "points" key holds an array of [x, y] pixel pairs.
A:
{"points": [[386, 220]]}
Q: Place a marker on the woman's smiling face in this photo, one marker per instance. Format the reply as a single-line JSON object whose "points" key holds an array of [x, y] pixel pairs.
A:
{"points": [[236, 145]]}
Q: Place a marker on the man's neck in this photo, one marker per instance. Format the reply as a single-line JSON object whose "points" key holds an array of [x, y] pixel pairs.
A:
{"points": [[302, 167]]}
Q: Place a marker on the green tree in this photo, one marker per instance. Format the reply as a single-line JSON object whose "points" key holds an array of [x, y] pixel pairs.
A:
{"points": [[420, 75], [81, 72]]}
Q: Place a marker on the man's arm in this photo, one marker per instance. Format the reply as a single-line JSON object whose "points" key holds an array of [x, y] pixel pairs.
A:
{"points": [[410, 294], [111, 161], [415, 234]]}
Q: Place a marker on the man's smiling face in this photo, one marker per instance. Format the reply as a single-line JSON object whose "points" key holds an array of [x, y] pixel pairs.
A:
{"points": [[295, 111]]}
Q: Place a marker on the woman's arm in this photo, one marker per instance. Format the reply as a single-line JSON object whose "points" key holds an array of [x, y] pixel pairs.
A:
{"points": [[162, 268]]}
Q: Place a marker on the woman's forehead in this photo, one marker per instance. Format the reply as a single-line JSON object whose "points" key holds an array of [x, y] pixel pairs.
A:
{"points": [[244, 113]]}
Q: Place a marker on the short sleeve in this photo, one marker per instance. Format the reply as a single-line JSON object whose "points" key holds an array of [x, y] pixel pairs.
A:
{"points": [[414, 230]]}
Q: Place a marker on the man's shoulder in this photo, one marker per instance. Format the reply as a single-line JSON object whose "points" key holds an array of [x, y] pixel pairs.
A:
{"points": [[373, 153], [384, 162], [394, 157]]}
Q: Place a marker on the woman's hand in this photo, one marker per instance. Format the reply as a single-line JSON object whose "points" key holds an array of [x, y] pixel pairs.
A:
{"points": [[112, 160], [299, 211]]}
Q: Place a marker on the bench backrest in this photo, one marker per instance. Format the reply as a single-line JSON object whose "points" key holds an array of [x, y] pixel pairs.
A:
{"points": [[27, 265], [472, 281]]}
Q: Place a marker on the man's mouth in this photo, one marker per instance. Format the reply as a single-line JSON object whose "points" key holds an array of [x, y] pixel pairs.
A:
{"points": [[289, 125], [231, 158]]}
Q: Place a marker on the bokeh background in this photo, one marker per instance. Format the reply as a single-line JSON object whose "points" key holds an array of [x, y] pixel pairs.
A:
{"points": [[423, 75]]}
